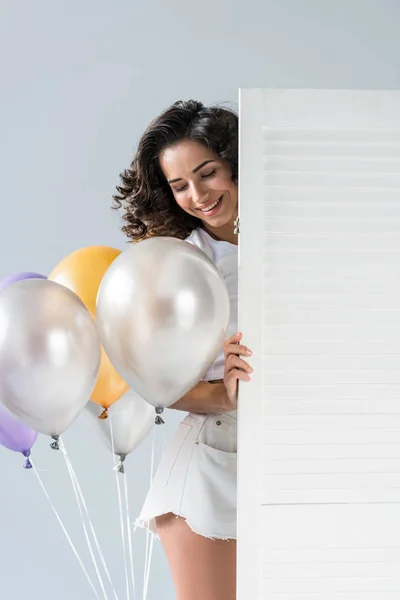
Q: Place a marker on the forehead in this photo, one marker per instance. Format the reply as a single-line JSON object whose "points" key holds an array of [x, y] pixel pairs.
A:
{"points": [[181, 159]]}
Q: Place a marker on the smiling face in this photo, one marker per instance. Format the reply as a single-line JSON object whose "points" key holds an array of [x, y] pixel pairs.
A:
{"points": [[202, 186]]}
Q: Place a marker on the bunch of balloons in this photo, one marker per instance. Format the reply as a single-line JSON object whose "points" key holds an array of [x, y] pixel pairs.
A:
{"points": [[129, 331]]}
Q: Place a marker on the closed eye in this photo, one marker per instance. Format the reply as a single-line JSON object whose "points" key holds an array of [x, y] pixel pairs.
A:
{"points": [[209, 174], [181, 188]]}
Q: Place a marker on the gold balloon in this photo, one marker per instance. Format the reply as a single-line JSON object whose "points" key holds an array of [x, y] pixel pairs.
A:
{"points": [[82, 272]]}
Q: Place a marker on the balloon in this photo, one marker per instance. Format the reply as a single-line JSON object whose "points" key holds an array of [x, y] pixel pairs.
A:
{"points": [[131, 419], [49, 354], [16, 436], [19, 277], [82, 272], [162, 314]]}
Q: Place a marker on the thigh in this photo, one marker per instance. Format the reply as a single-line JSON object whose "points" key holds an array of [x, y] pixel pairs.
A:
{"points": [[201, 568]]}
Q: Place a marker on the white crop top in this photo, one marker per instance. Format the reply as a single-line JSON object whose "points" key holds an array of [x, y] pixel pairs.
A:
{"points": [[225, 257]]}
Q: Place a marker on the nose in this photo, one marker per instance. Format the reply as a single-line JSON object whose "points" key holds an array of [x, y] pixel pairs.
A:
{"points": [[199, 194]]}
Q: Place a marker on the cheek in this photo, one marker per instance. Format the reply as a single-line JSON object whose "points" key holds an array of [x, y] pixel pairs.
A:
{"points": [[182, 201], [225, 182]]}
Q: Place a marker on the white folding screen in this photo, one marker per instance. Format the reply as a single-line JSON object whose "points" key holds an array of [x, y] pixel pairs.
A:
{"points": [[319, 291]]}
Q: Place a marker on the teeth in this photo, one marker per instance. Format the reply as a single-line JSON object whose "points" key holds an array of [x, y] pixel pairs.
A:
{"points": [[210, 207]]}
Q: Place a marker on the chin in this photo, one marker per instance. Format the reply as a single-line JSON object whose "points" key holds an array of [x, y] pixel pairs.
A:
{"points": [[223, 219], [217, 223]]}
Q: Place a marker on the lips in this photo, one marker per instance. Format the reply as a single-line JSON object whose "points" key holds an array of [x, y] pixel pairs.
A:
{"points": [[209, 207]]}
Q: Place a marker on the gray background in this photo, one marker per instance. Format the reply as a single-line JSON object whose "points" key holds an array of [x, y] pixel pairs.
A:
{"points": [[79, 82]]}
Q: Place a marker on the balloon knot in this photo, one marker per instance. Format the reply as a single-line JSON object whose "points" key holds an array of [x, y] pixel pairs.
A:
{"points": [[56, 444], [120, 467], [28, 464], [158, 420], [104, 414]]}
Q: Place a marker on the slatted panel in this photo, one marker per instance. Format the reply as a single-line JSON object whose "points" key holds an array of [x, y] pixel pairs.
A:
{"points": [[345, 555], [319, 303], [331, 320]]}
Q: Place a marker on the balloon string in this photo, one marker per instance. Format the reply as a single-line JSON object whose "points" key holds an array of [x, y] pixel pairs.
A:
{"points": [[148, 568], [128, 528], [82, 506], [149, 545], [121, 518], [84, 526], [74, 550]]}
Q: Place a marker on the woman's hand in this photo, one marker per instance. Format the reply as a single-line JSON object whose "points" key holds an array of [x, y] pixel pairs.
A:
{"points": [[235, 367]]}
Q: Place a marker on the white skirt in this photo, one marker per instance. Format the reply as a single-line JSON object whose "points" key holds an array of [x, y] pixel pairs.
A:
{"points": [[197, 477]]}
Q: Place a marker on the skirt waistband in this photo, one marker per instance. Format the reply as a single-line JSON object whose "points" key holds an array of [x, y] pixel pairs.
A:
{"points": [[197, 418]]}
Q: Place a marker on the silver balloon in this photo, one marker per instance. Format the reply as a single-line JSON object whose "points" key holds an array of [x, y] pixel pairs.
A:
{"points": [[49, 354], [162, 313], [129, 421]]}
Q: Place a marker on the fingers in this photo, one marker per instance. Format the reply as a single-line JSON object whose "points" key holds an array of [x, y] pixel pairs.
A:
{"points": [[236, 349], [236, 369], [237, 374], [232, 346], [235, 338], [233, 362]]}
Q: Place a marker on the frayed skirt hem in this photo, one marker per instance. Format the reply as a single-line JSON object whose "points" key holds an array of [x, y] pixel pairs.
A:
{"points": [[150, 524]]}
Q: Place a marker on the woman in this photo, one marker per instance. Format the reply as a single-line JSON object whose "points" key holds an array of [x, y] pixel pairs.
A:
{"points": [[182, 182]]}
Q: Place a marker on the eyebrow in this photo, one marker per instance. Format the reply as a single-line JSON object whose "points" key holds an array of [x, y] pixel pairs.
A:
{"points": [[203, 164]]}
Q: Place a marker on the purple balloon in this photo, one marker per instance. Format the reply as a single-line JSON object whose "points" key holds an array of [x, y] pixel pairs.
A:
{"points": [[16, 436], [19, 277]]}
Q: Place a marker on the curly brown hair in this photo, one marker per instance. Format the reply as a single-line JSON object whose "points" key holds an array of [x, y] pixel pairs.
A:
{"points": [[146, 199]]}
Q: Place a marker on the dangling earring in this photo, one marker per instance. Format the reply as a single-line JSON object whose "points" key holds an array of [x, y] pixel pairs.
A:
{"points": [[236, 224]]}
